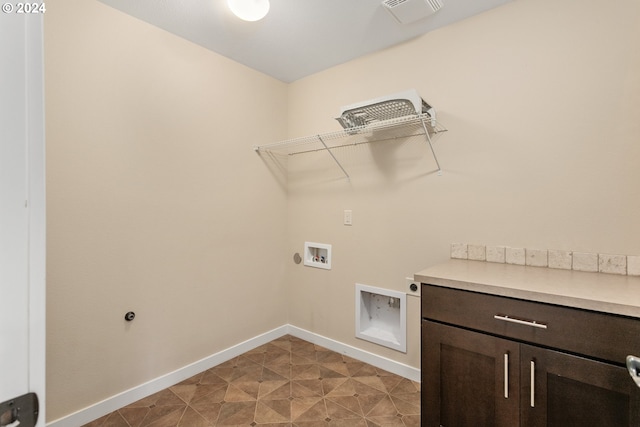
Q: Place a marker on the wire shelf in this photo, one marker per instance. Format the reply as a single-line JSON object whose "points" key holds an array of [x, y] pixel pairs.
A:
{"points": [[373, 131], [384, 130]]}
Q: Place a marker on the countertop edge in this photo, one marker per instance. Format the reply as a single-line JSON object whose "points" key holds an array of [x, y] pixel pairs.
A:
{"points": [[612, 294]]}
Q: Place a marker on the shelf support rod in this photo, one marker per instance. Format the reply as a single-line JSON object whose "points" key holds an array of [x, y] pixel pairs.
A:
{"points": [[426, 132], [334, 157]]}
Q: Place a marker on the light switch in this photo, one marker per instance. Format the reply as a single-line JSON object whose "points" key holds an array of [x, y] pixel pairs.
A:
{"points": [[348, 217]]}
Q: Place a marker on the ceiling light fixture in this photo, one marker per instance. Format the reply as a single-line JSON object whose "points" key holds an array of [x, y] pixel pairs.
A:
{"points": [[249, 10]]}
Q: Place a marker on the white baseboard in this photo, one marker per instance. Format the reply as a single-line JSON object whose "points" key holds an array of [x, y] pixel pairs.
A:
{"points": [[389, 365], [134, 394]]}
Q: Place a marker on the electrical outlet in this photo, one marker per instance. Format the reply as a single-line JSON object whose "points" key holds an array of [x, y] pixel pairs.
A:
{"points": [[411, 285]]}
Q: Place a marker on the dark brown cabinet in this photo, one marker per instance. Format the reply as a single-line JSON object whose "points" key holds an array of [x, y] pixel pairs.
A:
{"points": [[570, 390], [496, 361], [464, 382]]}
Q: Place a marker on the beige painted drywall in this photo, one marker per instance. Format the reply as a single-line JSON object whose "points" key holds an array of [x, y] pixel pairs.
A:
{"points": [[156, 203], [541, 99]]}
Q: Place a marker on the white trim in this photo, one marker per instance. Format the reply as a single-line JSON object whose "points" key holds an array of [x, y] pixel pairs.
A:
{"points": [[37, 211], [134, 394], [22, 133], [125, 398], [389, 365]]}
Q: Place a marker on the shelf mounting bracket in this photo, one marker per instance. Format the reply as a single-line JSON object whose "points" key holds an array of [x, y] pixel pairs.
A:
{"points": [[334, 157], [426, 133]]}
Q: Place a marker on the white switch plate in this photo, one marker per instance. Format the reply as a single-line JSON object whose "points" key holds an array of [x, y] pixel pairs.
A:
{"points": [[348, 217]]}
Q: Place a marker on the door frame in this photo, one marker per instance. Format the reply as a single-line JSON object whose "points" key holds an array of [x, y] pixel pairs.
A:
{"points": [[30, 37], [36, 158]]}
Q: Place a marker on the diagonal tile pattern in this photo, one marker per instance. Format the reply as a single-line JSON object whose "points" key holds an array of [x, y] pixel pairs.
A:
{"points": [[287, 382]]}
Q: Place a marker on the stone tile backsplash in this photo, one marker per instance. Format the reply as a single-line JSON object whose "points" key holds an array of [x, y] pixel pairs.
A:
{"points": [[585, 262], [514, 255], [459, 251], [560, 259], [537, 257], [633, 265], [552, 258], [496, 254], [614, 264], [477, 252]]}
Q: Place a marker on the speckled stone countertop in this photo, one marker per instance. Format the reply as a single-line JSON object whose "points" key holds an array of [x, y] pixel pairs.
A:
{"points": [[609, 293]]}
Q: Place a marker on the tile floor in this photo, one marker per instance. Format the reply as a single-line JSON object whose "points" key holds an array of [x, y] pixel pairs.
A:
{"points": [[287, 382]]}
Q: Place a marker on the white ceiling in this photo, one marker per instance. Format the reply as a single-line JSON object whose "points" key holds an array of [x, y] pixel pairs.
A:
{"points": [[298, 37]]}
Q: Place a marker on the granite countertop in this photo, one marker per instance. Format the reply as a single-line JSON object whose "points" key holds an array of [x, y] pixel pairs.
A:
{"points": [[609, 293]]}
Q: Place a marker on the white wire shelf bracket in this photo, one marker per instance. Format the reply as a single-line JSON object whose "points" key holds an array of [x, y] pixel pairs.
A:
{"points": [[387, 130]]}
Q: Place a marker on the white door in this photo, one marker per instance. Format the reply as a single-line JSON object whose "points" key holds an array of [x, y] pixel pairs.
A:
{"points": [[22, 215]]}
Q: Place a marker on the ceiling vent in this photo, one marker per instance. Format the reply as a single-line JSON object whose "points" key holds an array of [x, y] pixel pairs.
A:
{"points": [[407, 11]]}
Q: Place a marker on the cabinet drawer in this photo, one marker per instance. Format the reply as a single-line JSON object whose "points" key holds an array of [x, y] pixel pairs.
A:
{"points": [[599, 335]]}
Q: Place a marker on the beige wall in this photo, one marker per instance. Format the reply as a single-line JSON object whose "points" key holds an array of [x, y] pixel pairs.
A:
{"points": [[541, 99], [156, 203]]}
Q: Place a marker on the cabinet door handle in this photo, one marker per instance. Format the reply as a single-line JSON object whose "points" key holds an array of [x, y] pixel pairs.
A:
{"points": [[520, 321], [533, 384], [506, 375]]}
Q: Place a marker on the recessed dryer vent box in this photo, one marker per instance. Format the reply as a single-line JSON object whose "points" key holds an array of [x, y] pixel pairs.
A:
{"points": [[317, 255], [381, 316]]}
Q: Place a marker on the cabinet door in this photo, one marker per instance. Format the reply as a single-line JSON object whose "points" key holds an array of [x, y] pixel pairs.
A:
{"points": [[569, 390], [468, 378]]}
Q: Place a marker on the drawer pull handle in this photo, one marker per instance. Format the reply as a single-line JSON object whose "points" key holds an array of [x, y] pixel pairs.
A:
{"points": [[533, 384], [506, 375], [520, 321], [633, 366]]}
